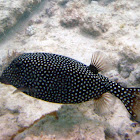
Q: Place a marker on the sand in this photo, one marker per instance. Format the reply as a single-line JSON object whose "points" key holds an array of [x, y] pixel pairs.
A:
{"points": [[77, 29]]}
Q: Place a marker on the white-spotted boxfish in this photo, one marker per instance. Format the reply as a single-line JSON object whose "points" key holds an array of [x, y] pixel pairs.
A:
{"points": [[60, 79]]}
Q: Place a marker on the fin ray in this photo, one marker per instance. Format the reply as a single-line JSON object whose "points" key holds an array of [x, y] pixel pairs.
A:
{"points": [[98, 62], [136, 104], [104, 104]]}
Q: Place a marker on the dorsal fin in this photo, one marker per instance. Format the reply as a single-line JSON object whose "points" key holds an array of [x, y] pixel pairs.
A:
{"points": [[98, 62]]}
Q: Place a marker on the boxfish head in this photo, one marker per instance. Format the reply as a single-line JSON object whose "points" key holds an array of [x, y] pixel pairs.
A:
{"points": [[11, 74], [3, 80]]}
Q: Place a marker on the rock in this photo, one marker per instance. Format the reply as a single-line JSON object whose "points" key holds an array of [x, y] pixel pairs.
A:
{"points": [[72, 15], [95, 21], [71, 124], [63, 2], [12, 10], [136, 74], [30, 30], [103, 2], [42, 137], [38, 21], [125, 74], [125, 68], [94, 26]]}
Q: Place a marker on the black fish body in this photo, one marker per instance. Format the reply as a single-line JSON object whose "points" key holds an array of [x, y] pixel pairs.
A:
{"points": [[59, 79], [55, 78]]}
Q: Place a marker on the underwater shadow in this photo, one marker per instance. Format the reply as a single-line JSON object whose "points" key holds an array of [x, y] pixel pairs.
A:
{"points": [[70, 119]]}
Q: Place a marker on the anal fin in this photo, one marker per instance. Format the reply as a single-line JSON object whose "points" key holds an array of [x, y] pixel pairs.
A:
{"points": [[104, 104]]}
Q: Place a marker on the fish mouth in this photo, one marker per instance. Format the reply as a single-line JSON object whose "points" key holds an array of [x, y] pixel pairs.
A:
{"points": [[2, 80]]}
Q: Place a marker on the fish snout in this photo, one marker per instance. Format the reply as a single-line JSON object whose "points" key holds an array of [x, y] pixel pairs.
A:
{"points": [[3, 80]]}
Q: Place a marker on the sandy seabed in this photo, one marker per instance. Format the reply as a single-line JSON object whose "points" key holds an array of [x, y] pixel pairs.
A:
{"points": [[77, 29]]}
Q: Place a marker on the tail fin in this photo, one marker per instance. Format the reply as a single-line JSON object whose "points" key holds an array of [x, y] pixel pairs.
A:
{"points": [[129, 96], [131, 100]]}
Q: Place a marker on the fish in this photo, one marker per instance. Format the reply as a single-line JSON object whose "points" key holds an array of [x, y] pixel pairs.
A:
{"points": [[60, 79]]}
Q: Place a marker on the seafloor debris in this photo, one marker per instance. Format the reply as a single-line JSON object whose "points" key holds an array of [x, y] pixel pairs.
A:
{"points": [[72, 16], [94, 26], [30, 30]]}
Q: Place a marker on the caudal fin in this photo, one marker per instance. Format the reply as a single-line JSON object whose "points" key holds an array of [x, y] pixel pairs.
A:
{"points": [[131, 101]]}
